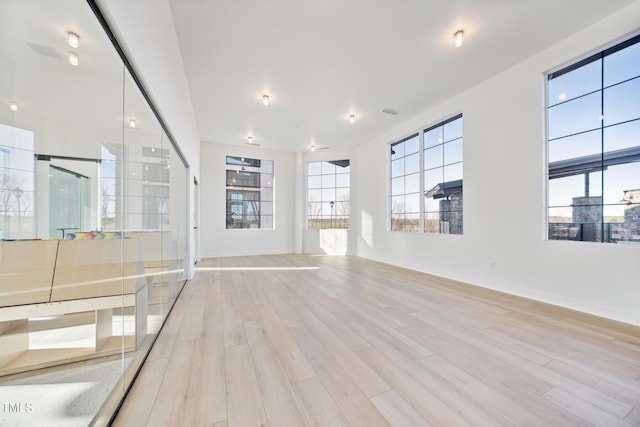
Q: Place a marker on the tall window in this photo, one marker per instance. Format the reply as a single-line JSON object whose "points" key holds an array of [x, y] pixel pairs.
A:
{"points": [[443, 211], [405, 184], [249, 193], [593, 149], [328, 194]]}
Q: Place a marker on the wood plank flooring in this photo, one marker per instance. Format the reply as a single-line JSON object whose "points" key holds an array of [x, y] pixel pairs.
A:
{"points": [[295, 340]]}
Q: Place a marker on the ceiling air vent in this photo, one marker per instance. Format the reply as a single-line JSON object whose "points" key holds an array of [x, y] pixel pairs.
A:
{"points": [[391, 111]]}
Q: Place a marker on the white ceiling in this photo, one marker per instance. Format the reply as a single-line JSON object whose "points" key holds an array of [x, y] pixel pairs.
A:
{"points": [[320, 61]]}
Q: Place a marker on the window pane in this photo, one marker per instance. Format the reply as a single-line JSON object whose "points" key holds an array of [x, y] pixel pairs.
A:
{"points": [[578, 82], [328, 168], [433, 137], [561, 191], [328, 194], [620, 181], [412, 183], [397, 204], [433, 157], [621, 136], [313, 168], [432, 178], [328, 181], [397, 151], [622, 102], [342, 180], [342, 194], [453, 151], [412, 203], [575, 116], [397, 186], [397, 167], [622, 65], [314, 181], [453, 130], [453, 172], [314, 195], [412, 163], [411, 145], [571, 147]]}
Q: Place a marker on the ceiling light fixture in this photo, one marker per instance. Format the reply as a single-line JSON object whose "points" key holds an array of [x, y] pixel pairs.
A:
{"points": [[265, 99], [352, 118], [13, 106], [313, 148], [249, 140], [132, 123], [73, 59], [457, 38], [73, 39]]}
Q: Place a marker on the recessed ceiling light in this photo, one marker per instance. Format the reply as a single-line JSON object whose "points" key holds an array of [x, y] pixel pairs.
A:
{"points": [[13, 106], [249, 140], [313, 148], [457, 38], [265, 99], [562, 96], [352, 118], [73, 39], [73, 59], [132, 123]]}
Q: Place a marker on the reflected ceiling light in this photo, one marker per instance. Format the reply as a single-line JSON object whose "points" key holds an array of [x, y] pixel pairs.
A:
{"points": [[265, 99], [73, 39], [13, 106], [249, 140], [562, 96], [132, 123], [73, 59], [457, 38], [352, 118]]}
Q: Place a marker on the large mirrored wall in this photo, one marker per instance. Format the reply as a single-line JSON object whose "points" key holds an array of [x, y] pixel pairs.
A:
{"points": [[93, 218]]}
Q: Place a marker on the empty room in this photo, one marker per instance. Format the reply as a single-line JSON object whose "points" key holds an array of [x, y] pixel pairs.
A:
{"points": [[319, 213]]}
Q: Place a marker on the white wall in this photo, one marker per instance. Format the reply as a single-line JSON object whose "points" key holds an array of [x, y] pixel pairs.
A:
{"points": [[216, 240], [503, 245]]}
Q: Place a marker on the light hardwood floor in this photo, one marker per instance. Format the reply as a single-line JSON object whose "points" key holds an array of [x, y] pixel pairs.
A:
{"points": [[294, 340]]}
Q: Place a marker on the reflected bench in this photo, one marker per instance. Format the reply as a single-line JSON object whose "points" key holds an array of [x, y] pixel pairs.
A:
{"points": [[63, 277]]}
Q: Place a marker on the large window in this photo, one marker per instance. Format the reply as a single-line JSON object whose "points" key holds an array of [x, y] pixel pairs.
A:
{"points": [[405, 184], [426, 183], [249, 193], [328, 194], [443, 177], [593, 120]]}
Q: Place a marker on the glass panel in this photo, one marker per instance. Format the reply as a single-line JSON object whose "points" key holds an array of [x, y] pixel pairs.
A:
{"points": [[328, 181], [453, 172], [397, 151], [314, 168], [328, 168], [412, 203], [314, 195], [453, 130], [411, 145], [397, 168], [433, 157], [578, 82], [328, 194], [342, 194], [412, 183], [579, 115], [583, 144], [620, 181], [562, 191], [412, 163], [622, 65], [621, 136], [342, 180], [621, 102], [453, 151], [397, 186], [432, 178], [314, 181]]}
